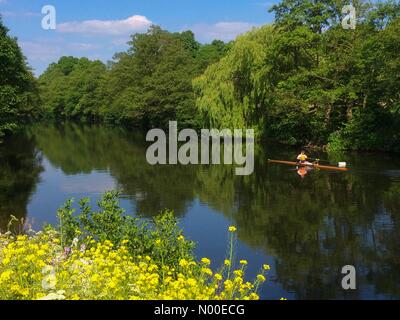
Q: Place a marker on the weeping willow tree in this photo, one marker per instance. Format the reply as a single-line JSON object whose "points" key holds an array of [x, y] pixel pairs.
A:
{"points": [[232, 92]]}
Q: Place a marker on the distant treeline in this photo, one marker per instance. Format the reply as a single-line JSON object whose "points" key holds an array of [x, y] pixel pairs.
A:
{"points": [[147, 86], [302, 80]]}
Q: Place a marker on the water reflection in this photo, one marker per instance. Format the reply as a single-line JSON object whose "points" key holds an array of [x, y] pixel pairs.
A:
{"points": [[312, 225], [20, 167], [83, 149]]}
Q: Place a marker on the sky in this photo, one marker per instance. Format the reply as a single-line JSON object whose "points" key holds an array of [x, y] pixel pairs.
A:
{"points": [[99, 28]]}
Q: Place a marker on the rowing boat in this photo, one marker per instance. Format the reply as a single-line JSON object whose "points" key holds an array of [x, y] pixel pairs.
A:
{"points": [[312, 165]]}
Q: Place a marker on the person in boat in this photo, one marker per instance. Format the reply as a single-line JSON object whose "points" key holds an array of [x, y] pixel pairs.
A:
{"points": [[304, 166], [302, 157]]}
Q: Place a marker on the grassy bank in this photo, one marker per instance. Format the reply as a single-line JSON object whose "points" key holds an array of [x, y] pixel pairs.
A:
{"points": [[109, 255]]}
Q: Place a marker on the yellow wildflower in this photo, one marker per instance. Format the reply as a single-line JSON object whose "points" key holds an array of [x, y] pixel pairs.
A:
{"points": [[183, 263], [105, 271], [232, 229], [238, 273], [261, 278], [254, 296], [95, 278], [207, 271], [6, 275]]}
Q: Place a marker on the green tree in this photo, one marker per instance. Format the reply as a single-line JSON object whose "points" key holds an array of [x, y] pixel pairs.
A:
{"points": [[73, 88], [18, 91], [232, 92], [153, 80]]}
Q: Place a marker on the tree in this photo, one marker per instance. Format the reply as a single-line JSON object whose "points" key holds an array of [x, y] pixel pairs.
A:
{"points": [[211, 53], [74, 88], [153, 80], [231, 92], [18, 91]]}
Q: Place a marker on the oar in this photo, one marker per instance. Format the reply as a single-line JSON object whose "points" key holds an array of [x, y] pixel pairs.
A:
{"points": [[319, 160], [329, 162]]}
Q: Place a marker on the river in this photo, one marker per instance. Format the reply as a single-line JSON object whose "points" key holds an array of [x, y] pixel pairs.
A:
{"points": [[306, 228]]}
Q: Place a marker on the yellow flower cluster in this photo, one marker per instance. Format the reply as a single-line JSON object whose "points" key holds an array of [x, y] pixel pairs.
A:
{"points": [[25, 258], [37, 267]]}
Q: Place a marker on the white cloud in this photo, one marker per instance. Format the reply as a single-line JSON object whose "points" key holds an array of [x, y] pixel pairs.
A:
{"points": [[225, 31], [132, 24]]}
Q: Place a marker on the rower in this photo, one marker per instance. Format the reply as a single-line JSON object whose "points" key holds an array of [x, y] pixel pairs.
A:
{"points": [[302, 157]]}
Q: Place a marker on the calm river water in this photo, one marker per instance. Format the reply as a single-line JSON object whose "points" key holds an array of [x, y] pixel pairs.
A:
{"points": [[307, 228]]}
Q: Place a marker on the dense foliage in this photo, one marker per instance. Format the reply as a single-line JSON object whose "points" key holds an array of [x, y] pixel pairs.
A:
{"points": [[306, 79], [73, 87], [18, 92]]}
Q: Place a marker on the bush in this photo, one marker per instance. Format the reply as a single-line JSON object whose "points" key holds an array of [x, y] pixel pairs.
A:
{"points": [[368, 130], [159, 238]]}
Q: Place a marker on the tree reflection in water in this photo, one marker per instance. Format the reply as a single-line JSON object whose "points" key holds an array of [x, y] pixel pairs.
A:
{"points": [[312, 226], [20, 167]]}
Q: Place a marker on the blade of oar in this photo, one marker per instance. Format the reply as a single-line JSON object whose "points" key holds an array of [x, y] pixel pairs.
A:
{"points": [[325, 161]]}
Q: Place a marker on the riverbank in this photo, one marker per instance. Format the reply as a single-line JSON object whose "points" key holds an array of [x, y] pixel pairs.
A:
{"points": [[106, 255], [126, 128]]}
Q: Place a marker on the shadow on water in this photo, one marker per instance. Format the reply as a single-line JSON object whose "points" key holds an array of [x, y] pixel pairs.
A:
{"points": [[312, 227], [20, 168]]}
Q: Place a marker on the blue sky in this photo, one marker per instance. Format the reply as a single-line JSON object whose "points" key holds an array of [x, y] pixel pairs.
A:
{"points": [[99, 28]]}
